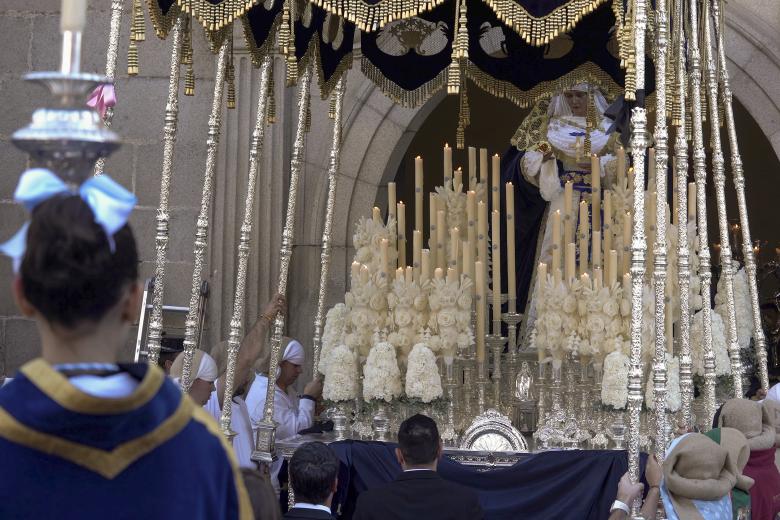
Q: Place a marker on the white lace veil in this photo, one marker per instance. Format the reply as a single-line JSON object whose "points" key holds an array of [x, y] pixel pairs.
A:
{"points": [[559, 107]]}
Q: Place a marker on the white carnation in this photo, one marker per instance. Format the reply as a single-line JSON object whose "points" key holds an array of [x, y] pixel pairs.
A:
{"points": [[614, 384], [673, 397], [332, 333], [422, 375], [381, 376], [722, 362], [742, 306], [341, 375]]}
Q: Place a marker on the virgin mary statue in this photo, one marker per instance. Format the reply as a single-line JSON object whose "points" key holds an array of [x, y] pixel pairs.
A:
{"points": [[552, 146]]}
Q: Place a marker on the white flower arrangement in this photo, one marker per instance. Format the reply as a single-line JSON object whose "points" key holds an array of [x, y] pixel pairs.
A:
{"points": [[368, 239], [332, 333], [742, 306], [673, 396], [381, 376], [341, 375], [407, 302], [423, 381], [614, 386], [549, 325], [450, 317], [367, 304], [722, 361], [455, 201]]}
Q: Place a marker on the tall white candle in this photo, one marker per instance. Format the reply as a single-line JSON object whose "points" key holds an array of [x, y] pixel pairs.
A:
{"points": [[384, 257], [496, 247], [596, 249], [483, 165], [541, 272], [471, 217], [364, 274], [438, 273], [468, 261], [480, 305], [571, 253], [568, 214], [418, 193], [482, 239], [457, 181], [495, 188], [441, 240], [607, 227], [401, 231], [425, 265], [447, 165], [376, 215], [621, 165], [596, 195], [583, 236], [454, 249], [74, 15], [417, 253], [355, 273], [432, 235], [472, 168], [391, 200], [511, 276], [612, 280]]}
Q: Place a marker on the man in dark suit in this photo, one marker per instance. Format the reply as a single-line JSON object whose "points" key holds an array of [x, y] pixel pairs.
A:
{"points": [[419, 493], [314, 472]]}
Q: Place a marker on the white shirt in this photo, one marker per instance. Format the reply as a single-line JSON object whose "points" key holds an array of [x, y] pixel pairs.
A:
{"points": [[244, 441], [290, 414], [115, 386], [320, 507]]}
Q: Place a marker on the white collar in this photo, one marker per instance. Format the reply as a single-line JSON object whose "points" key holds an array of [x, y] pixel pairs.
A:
{"points": [[418, 469], [304, 505]]}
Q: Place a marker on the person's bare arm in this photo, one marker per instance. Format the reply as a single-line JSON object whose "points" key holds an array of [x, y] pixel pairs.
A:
{"points": [[627, 492], [252, 344], [653, 475]]}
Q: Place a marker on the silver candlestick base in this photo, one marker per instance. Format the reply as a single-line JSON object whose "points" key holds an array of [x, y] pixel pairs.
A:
{"points": [[512, 320], [496, 344], [381, 423], [339, 418], [468, 391], [265, 443], [67, 137], [482, 382]]}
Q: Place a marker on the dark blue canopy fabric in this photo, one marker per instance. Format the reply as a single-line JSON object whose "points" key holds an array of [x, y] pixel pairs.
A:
{"points": [[560, 485]]}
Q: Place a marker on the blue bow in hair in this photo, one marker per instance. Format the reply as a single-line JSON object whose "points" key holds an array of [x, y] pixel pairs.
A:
{"points": [[109, 201]]}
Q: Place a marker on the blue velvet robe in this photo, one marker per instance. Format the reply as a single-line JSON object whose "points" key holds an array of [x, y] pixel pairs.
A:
{"points": [[153, 454]]}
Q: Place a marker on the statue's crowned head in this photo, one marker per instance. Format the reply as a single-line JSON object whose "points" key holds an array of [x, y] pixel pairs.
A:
{"points": [[574, 100]]}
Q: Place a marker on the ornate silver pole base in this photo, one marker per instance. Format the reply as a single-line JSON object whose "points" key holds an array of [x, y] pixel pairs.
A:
{"points": [[496, 344], [340, 422], [265, 442], [482, 382], [381, 423]]}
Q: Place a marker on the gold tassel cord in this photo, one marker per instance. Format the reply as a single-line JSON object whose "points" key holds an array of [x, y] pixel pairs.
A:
{"points": [[139, 23], [590, 122], [187, 59], [271, 99], [230, 77]]}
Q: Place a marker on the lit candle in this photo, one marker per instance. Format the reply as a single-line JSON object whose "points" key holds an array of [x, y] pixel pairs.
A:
{"points": [[627, 284], [626, 241], [596, 249], [571, 253], [595, 168], [483, 165], [557, 230], [401, 231], [363, 274], [612, 279], [454, 248], [541, 273], [471, 217], [74, 15], [425, 265], [457, 181], [568, 214], [416, 253], [496, 179], [418, 193], [598, 278], [585, 280], [355, 272], [472, 168], [496, 247], [376, 215], [631, 179], [716, 255], [583, 236], [480, 304], [441, 240], [391, 200], [399, 274], [556, 259], [451, 275], [447, 165], [482, 240], [607, 227], [511, 276], [384, 257], [621, 165], [691, 201], [438, 273], [409, 275]]}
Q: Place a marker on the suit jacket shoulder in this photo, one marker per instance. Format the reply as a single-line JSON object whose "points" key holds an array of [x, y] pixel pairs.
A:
{"points": [[314, 514]]}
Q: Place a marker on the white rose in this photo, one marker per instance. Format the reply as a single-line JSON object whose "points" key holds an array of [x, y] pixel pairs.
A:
{"points": [[615, 327], [569, 304], [596, 323], [553, 321], [446, 318], [403, 317], [377, 302], [611, 308], [464, 301], [360, 319]]}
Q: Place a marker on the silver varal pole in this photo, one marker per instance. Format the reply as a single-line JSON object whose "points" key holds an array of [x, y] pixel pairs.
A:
{"points": [[111, 54], [163, 216], [739, 185], [659, 248], [719, 178], [236, 329], [202, 227], [638, 248], [700, 174], [683, 254], [265, 443], [333, 169]]}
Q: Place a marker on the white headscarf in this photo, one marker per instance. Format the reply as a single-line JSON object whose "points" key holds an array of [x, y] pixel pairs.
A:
{"points": [[774, 393], [206, 367], [294, 353]]}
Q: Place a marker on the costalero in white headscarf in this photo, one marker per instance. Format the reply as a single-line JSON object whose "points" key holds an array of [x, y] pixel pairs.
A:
{"points": [[206, 367]]}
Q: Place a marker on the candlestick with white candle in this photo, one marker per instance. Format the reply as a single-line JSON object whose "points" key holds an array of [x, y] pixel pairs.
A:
{"points": [[541, 273], [511, 276], [607, 226], [432, 235], [74, 15], [496, 270], [451, 275], [363, 274], [468, 261], [401, 232], [418, 193], [568, 214], [376, 215], [612, 279], [355, 272], [595, 248], [598, 278], [472, 168], [494, 186], [384, 258], [583, 236], [483, 165], [438, 273], [571, 254], [425, 265], [454, 249], [399, 274], [471, 224]]}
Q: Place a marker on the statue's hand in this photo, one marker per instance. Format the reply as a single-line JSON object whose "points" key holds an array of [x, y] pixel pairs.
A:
{"points": [[547, 156]]}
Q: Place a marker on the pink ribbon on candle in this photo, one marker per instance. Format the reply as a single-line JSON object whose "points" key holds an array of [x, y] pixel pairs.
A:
{"points": [[102, 98]]}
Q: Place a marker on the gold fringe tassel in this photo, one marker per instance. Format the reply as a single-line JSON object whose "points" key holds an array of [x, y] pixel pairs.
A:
{"points": [[230, 78], [139, 23], [186, 59], [271, 98], [132, 58], [460, 50]]}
